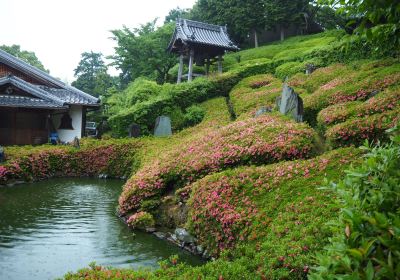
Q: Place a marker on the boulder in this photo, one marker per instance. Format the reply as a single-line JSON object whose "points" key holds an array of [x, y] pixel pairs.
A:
{"points": [[134, 130], [290, 103], [163, 126], [184, 236]]}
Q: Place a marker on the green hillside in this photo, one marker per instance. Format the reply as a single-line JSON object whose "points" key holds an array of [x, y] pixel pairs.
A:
{"points": [[249, 189]]}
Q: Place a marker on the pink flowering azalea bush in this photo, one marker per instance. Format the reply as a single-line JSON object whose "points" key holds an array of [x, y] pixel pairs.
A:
{"points": [[114, 158], [275, 213], [380, 103], [356, 130], [351, 84], [260, 140]]}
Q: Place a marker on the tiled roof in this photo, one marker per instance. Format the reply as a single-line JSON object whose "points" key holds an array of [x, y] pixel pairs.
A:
{"points": [[69, 97], [59, 97], [194, 32], [26, 102], [70, 92]]}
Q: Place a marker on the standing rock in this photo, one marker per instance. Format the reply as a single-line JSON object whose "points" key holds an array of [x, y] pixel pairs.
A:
{"points": [[134, 130], [76, 143], [2, 156], [163, 126], [290, 103], [310, 68]]}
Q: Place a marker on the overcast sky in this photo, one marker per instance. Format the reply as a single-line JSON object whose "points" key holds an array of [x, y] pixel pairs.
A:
{"points": [[58, 31]]}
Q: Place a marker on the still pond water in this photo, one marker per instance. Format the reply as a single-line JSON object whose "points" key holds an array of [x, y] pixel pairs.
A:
{"points": [[50, 228]]}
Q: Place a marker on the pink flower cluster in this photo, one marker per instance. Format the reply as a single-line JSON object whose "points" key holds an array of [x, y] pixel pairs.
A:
{"points": [[355, 131], [253, 141], [114, 160], [225, 207]]}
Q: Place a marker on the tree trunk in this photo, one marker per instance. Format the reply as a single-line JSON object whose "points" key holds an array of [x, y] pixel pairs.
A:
{"points": [[255, 39], [282, 33]]}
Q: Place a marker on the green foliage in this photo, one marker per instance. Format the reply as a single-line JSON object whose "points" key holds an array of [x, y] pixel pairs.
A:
{"points": [[140, 52], [91, 74], [231, 13], [194, 115], [141, 220], [283, 13], [254, 92], [289, 69], [170, 98], [380, 20], [27, 56], [366, 242]]}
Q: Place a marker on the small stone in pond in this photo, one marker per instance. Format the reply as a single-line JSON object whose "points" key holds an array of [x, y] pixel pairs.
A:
{"points": [[150, 229], [159, 234]]}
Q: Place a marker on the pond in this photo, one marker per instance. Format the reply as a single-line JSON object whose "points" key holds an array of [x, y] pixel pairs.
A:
{"points": [[49, 228]]}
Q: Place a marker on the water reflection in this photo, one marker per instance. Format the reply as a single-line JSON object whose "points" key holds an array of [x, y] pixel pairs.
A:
{"points": [[50, 228]]}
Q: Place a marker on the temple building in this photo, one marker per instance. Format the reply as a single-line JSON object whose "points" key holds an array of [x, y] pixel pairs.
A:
{"points": [[199, 43], [34, 105]]}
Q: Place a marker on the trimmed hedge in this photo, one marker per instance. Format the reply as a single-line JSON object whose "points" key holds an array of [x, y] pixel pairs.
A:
{"points": [[181, 96], [114, 158]]}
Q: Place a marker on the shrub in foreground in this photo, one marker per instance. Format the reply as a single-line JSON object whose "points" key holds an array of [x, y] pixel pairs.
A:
{"points": [[366, 242]]}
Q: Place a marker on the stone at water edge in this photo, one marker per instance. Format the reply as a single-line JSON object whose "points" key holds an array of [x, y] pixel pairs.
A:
{"points": [[184, 236], [290, 103], [160, 235], [163, 126]]}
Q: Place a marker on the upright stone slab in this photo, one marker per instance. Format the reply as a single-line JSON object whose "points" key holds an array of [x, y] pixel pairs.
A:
{"points": [[2, 156], [310, 68], [291, 104], [76, 143], [163, 126], [134, 130]]}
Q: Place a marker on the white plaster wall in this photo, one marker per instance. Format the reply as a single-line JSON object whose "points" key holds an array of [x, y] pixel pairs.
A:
{"points": [[68, 135]]}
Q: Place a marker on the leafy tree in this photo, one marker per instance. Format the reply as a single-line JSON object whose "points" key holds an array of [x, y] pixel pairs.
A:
{"points": [[176, 13], [379, 20], [91, 74], [29, 57], [142, 52], [280, 14], [242, 17]]}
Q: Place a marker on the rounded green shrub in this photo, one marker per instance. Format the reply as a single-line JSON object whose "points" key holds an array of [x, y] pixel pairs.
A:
{"points": [[194, 115]]}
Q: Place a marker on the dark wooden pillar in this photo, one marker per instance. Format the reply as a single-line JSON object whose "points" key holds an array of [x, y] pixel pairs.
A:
{"points": [[191, 59], [83, 127], [180, 69], [220, 64], [207, 66]]}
